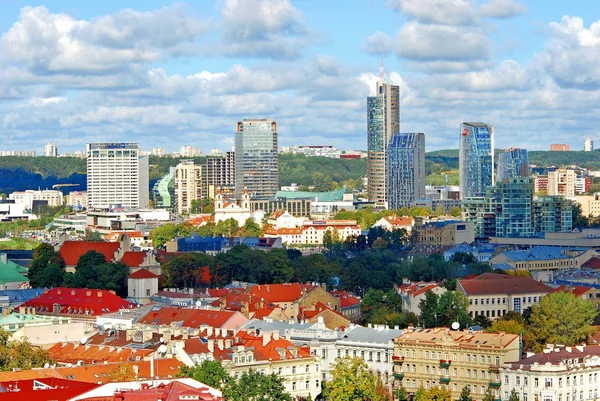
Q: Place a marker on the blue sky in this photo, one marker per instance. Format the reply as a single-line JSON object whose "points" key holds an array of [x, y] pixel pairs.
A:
{"points": [[173, 74]]}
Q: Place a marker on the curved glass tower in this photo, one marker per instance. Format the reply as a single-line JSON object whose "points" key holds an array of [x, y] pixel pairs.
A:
{"points": [[476, 159]]}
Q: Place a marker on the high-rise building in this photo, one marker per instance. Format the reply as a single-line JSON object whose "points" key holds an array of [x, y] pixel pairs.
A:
{"points": [[160, 152], [188, 185], [189, 151], [163, 191], [405, 169], [588, 145], [256, 158], [512, 163], [560, 147], [476, 158], [50, 150], [116, 176], [562, 182], [515, 197], [219, 172], [383, 121]]}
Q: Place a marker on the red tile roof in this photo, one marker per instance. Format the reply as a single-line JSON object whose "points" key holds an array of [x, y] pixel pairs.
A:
{"points": [[116, 235], [174, 391], [78, 301], [593, 263], [277, 214], [505, 285], [73, 353], [577, 290], [200, 220], [347, 300], [396, 220], [43, 389], [188, 317], [133, 259], [143, 273], [71, 251], [288, 292], [416, 289]]}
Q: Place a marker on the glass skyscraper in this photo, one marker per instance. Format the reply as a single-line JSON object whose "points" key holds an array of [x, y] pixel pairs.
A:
{"points": [[476, 159], [405, 169], [383, 121], [512, 163], [256, 158]]}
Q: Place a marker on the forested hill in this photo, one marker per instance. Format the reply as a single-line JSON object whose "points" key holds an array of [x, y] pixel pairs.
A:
{"points": [[20, 173]]}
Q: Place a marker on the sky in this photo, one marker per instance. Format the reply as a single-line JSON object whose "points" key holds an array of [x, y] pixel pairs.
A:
{"points": [[173, 74]]}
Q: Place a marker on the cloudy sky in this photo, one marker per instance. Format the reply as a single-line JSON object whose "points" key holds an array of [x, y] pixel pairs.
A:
{"points": [[167, 75]]}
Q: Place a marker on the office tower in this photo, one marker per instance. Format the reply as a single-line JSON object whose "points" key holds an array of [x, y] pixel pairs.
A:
{"points": [[588, 145], [219, 172], [562, 182], [476, 159], [512, 163], [116, 176], [188, 185], [256, 158], [405, 169], [50, 150], [559, 147], [515, 198], [383, 121]]}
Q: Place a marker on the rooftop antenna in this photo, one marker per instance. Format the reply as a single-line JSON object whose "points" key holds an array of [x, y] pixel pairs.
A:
{"points": [[381, 72]]}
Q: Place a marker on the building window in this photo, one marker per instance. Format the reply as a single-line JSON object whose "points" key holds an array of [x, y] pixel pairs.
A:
{"points": [[147, 293], [518, 380], [293, 385], [517, 305], [307, 384], [506, 379], [535, 382]]}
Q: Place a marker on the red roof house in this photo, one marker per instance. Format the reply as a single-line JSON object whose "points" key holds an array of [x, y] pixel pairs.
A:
{"points": [[193, 318], [43, 389]]}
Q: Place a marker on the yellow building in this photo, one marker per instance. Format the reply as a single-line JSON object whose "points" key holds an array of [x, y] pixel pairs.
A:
{"points": [[453, 359]]}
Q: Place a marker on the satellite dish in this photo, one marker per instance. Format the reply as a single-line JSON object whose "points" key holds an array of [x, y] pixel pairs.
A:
{"points": [[198, 304], [46, 365], [162, 349], [83, 340], [455, 326], [162, 340]]}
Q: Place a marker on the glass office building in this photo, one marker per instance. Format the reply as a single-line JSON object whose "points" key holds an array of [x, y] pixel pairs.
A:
{"points": [[405, 169], [476, 159], [512, 163], [256, 158]]}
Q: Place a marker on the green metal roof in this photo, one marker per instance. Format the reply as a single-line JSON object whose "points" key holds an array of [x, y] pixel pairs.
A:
{"points": [[331, 196], [10, 272]]}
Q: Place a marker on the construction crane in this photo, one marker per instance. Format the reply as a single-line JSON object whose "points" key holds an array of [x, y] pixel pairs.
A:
{"points": [[64, 185]]}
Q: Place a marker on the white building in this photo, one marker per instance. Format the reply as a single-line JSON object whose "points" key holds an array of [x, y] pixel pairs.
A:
{"points": [[77, 199], [588, 145], [29, 153], [412, 294], [141, 285], [160, 152], [228, 210], [562, 182], [50, 150], [313, 231], [188, 185], [189, 151], [313, 150], [117, 175], [558, 373], [54, 197]]}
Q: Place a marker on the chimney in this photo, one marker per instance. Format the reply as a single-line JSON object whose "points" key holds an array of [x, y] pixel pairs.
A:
{"points": [[99, 294], [211, 345], [4, 258], [266, 338], [276, 335], [21, 310], [59, 292], [220, 344], [88, 293], [410, 328], [72, 292]]}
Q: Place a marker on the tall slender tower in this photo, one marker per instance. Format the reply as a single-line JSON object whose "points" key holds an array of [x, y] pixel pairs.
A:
{"points": [[475, 159], [406, 169], [383, 121]]}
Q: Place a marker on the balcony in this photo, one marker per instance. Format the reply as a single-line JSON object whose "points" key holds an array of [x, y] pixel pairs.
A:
{"points": [[494, 384], [444, 380], [398, 360], [399, 375], [494, 368], [445, 363]]}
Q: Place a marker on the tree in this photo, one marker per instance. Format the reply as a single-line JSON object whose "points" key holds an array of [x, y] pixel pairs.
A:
{"points": [[465, 394], [93, 271], [350, 381], [47, 268], [429, 309], [455, 211], [208, 372], [328, 239], [20, 354], [196, 206], [435, 393], [185, 270], [489, 395], [250, 229], [507, 326], [464, 258], [561, 318], [254, 386], [453, 307], [123, 373], [514, 396], [482, 320]]}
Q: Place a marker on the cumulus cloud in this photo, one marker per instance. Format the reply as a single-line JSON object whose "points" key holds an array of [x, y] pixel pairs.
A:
{"points": [[378, 44], [445, 12], [501, 9]]}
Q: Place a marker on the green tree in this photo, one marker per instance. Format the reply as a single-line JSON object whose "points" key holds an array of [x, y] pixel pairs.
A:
{"points": [[429, 309], [453, 307], [507, 326], [254, 386], [435, 393], [250, 229], [561, 318], [455, 211], [47, 267], [162, 234], [328, 239], [208, 372], [351, 381], [92, 271], [514, 396], [185, 270], [196, 206], [20, 354], [279, 269], [465, 394]]}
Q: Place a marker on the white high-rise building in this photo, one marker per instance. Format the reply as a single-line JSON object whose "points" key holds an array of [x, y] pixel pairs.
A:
{"points": [[117, 175], [188, 185], [50, 150], [189, 151], [160, 152], [588, 145]]}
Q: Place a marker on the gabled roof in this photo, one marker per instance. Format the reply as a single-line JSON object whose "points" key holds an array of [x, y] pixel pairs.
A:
{"points": [[73, 353], [78, 301], [593, 263], [505, 285], [42, 389], [277, 214], [187, 317], [576, 290], [200, 220], [288, 292], [396, 220], [133, 259], [115, 236], [10, 272], [347, 300], [143, 273], [284, 231], [416, 289], [71, 251]]}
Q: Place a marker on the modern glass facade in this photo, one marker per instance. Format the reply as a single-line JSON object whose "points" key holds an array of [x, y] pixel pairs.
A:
{"points": [[383, 121], [514, 219], [476, 159], [163, 191], [512, 163], [256, 158], [405, 169]]}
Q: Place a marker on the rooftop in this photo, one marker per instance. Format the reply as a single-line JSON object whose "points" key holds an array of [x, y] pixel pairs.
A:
{"points": [[71, 251], [478, 339], [502, 284], [331, 196], [162, 315]]}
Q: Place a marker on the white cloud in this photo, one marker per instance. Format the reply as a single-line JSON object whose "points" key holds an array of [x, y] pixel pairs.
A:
{"points": [[501, 9], [378, 44], [444, 12]]}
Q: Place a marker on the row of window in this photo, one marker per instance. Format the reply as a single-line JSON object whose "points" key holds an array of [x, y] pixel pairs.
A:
{"points": [[368, 356], [484, 359], [549, 381]]}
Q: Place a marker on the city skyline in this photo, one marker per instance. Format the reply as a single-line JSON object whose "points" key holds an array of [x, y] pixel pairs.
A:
{"points": [[168, 75]]}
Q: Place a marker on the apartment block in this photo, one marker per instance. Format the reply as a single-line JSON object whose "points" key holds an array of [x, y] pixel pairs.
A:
{"points": [[219, 172], [562, 182], [188, 185]]}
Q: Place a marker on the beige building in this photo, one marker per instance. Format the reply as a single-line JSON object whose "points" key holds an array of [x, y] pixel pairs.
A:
{"points": [[492, 295], [590, 204], [562, 182], [446, 233], [453, 359], [188, 185], [54, 197]]}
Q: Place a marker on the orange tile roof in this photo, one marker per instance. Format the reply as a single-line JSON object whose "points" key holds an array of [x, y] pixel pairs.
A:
{"points": [[200, 220], [187, 317], [78, 301], [284, 231], [133, 259], [71, 251], [89, 353], [34, 390], [347, 300], [396, 220], [143, 273], [277, 214], [116, 235], [288, 292]]}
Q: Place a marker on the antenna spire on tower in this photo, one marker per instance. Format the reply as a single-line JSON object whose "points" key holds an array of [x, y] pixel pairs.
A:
{"points": [[381, 72]]}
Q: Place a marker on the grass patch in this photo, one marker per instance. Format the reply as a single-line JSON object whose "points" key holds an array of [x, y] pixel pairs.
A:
{"points": [[17, 243]]}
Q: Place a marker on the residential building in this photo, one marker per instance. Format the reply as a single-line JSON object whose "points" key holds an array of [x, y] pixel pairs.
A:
{"points": [[562, 182], [219, 172], [27, 153], [256, 158], [192, 318], [476, 159], [586, 293], [395, 222], [141, 285], [558, 373], [160, 152], [543, 262], [349, 305], [559, 147], [12, 275], [512, 163], [313, 232], [189, 151], [116, 175], [405, 169], [163, 191], [383, 121], [590, 204], [77, 199], [50, 150], [482, 252], [552, 214], [313, 150], [583, 184], [283, 219], [28, 197], [445, 233], [540, 183], [412, 294], [492, 295], [588, 145], [188, 185], [425, 358], [164, 390]]}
